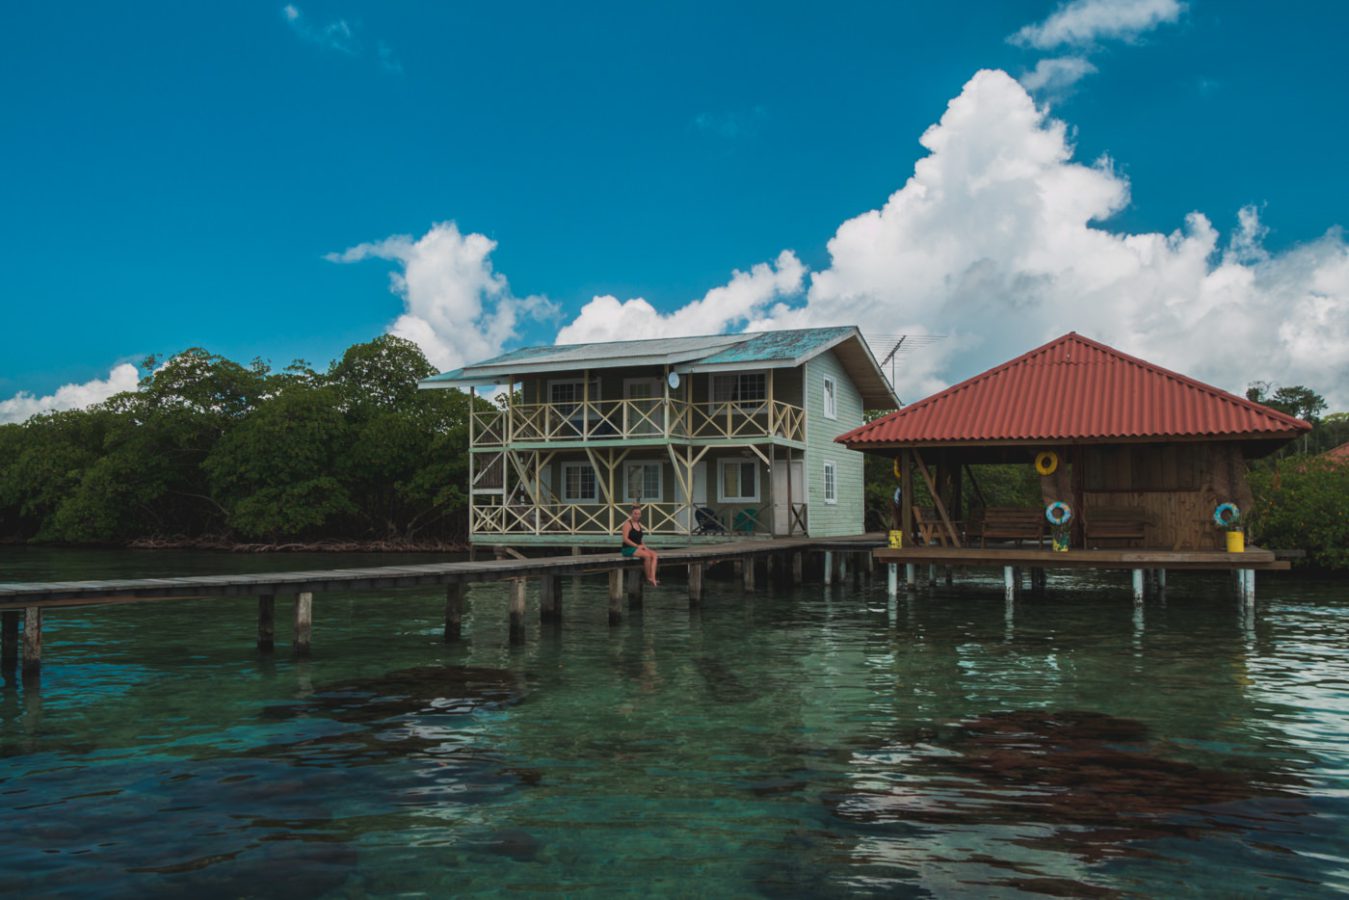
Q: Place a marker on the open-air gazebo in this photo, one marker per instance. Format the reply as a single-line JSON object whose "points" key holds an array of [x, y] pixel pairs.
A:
{"points": [[1141, 456]]}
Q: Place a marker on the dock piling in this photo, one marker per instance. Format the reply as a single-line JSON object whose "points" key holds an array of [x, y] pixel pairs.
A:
{"points": [[695, 584], [747, 573], [550, 598], [1138, 587], [304, 623], [32, 642], [892, 579], [266, 623], [517, 605], [454, 610], [798, 567], [828, 567], [615, 596], [1009, 583], [635, 585], [910, 576], [9, 640]]}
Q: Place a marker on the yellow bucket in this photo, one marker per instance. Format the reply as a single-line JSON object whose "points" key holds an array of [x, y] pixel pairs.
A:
{"points": [[1236, 542], [896, 540]]}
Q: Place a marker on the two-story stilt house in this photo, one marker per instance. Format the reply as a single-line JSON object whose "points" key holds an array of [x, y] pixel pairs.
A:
{"points": [[717, 437]]}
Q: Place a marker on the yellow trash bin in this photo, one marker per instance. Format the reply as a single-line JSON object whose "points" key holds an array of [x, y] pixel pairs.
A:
{"points": [[1236, 542]]}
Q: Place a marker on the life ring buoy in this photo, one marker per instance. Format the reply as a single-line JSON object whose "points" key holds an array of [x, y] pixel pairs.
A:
{"points": [[1046, 462], [1226, 515], [1058, 513], [898, 472], [899, 495]]}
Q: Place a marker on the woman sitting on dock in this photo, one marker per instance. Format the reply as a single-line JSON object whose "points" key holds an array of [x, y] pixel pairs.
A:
{"points": [[633, 546]]}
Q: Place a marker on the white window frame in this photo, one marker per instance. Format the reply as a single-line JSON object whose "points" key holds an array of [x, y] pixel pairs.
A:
{"points": [[628, 496], [831, 483], [722, 496], [579, 383], [830, 391], [720, 378], [567, 467]]}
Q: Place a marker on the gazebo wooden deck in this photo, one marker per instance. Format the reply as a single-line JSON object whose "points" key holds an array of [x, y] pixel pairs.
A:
{"points": [[1139, 456]]}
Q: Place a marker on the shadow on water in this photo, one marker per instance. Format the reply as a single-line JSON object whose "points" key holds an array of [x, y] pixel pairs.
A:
{"points": [[1088, 784]]}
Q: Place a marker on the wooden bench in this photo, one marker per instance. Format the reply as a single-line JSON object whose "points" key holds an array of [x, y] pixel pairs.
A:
{"points": [[1115, 523], [1012, 523]]}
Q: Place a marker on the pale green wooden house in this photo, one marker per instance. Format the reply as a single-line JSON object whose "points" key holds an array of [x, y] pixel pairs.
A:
{"points": [[717, 437]]}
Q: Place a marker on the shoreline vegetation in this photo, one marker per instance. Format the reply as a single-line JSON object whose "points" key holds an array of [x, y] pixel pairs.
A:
{"points": [[209, 454]]}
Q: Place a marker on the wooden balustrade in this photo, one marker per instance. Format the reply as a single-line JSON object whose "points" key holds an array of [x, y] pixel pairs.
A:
{"points": [[638, 418]]}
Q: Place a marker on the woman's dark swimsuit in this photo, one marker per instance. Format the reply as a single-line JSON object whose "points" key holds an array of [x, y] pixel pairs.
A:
{"points": [[635, 535]]}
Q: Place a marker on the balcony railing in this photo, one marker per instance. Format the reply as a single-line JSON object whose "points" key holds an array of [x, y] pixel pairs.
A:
{"points": [[492, 517], [596, 420]]}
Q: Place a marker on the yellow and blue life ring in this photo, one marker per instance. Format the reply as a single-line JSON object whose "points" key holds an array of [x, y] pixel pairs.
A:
{"points": [[1226, 515]]}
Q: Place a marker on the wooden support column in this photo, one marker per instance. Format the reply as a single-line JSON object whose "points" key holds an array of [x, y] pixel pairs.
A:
{"points": [[9, 640], [747, 574], [635, 583], [266, 623], [517, 610], [798, 568], [32, 642], [550, 598], [695, 584], [906, 494], [304, 623], [615, 596], [454, 610]]}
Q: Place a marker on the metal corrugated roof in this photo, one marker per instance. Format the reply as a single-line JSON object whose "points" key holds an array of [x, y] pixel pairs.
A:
{"points": [[717, 352], [1074, 389], [788, 346]]}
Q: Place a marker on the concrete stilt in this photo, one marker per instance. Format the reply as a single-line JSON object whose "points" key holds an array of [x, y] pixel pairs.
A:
{"points": [[1161, 584], [931, 575], [828, 567], [910, 576], [304, 623], [841, 562], [1009, 583], [550, 598], [892, 579], [1138, 587], [266, 623], [615, 596], [517, 604], [32, 642], [454, 610]]}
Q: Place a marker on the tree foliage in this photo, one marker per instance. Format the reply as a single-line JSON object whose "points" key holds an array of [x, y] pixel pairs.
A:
{"points": [[209, 447], [1304, 504]]}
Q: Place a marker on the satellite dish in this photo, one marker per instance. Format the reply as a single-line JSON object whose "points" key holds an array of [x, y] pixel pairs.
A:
{"points": [[673, 379]]}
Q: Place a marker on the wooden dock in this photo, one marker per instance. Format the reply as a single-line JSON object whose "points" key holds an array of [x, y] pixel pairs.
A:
{"points": [[26, 601]]}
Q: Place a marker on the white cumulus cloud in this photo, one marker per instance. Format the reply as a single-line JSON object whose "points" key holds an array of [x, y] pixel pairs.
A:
{"points": [[1084, 22], [24, 405], [607, 318], [1053, 76], [998, 240], [456, 308]]}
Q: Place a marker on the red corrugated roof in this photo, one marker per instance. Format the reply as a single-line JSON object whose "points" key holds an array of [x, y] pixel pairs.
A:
{"points": [[1338, 454], [1074, 389]]}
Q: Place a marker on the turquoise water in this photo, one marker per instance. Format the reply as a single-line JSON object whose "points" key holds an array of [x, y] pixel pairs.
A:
{"points": [[815, 741]]}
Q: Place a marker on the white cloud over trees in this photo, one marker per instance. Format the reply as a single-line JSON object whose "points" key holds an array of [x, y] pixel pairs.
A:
{"points": [[24, 405]]}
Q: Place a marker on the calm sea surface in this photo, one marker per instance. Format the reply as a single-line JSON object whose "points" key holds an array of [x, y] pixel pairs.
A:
{"points": [[818, 741]]}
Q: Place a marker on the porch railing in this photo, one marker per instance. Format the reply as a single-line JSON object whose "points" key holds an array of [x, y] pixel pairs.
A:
{"points": [[637, 418], [491, 517]]}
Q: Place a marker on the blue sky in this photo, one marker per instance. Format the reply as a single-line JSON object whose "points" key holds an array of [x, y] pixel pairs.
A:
{"points": [[184, 174]]}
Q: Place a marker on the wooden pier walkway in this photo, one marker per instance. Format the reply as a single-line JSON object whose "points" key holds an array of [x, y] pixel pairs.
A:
{"points": [[26, 601]]}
